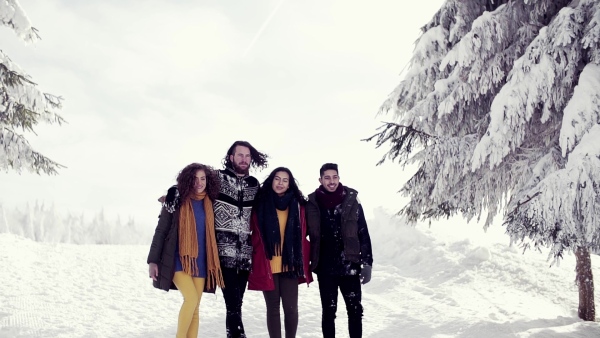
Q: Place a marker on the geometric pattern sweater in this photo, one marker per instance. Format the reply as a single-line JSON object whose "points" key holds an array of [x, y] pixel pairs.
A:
{"points": [[232, 219]]}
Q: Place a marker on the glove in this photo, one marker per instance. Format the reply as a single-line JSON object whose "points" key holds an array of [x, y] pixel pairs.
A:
{"points": [[365, 274]]}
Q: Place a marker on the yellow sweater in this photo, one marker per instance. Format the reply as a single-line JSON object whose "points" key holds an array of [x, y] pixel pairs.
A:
{"points": [[276, 262]]}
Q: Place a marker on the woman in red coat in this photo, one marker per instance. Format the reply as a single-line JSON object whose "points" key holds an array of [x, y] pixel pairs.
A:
{"points": [[280, 258]]}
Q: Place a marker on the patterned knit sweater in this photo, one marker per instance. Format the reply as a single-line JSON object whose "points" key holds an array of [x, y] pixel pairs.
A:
{"points": [[232, 219]]}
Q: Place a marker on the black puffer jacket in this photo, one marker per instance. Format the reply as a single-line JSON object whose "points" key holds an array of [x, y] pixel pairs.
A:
{"points": [[164, 242]]}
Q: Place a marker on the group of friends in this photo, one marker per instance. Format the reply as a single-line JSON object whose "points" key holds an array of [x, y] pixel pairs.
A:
{"points": [[222, 228]]}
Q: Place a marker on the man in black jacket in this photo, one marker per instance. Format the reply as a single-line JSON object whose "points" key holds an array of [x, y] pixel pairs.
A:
{"points": [[340, 249]]}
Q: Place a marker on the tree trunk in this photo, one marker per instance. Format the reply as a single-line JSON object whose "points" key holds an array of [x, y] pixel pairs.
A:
{"points": [[585, 283]]}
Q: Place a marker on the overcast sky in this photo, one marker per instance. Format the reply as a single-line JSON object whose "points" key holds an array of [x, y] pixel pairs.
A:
{"points": [[149, 89]]}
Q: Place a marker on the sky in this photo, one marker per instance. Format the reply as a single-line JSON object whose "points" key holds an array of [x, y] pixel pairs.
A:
{"points": [[427, 282], [150, 89]]}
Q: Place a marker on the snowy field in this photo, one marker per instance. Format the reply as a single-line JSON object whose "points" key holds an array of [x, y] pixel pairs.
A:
{"points": [[427, 282]]}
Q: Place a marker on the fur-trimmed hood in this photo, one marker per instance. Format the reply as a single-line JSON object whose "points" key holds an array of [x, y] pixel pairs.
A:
{"points": [[172, 201]]}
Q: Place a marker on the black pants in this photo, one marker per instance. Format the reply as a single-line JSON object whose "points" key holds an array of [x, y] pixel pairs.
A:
{"points": [[285, 293], [235, 285], [349, 286]]}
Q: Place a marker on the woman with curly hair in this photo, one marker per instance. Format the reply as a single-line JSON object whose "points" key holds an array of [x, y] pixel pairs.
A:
{"points": [[183, 254], [280, 258]]}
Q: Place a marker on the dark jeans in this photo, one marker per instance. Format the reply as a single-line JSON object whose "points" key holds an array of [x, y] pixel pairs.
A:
{"points": [[286, 290], [350, 289], [235, 285]]}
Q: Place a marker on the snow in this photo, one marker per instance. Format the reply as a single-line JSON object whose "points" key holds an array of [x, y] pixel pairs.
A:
{"points": [[429, 43], [542, 78], [577, 184], [16, 153], [12, 15], [583, 110], [514, 105], [427, 282]]}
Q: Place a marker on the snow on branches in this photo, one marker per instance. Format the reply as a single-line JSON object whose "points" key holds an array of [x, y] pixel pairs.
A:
{"points": [[13, 16], [540, 84], [508, 95], [562, 210], [583, 110], [22, 104]]}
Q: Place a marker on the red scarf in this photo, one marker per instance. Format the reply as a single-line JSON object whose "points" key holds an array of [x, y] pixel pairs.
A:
{"points": [[327, 199]]}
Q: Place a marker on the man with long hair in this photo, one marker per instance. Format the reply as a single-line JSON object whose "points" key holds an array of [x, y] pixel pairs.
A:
{"points": [[232, 227]]}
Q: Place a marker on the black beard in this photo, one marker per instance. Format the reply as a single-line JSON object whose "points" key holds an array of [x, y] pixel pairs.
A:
{"points": [[239, 170]]}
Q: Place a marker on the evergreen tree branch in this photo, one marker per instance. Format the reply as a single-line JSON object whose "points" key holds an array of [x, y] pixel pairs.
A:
{"points": [[520, 203], [12, 78], [25, 157], [403, 139]]}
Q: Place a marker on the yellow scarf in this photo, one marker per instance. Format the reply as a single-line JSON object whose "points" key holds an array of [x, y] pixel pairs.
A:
{"points": [[188, 241]]}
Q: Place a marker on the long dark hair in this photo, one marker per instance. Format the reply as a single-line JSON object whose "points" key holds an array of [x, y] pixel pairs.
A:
{"points": [[267, 186], [259, 160], [187, 177]]}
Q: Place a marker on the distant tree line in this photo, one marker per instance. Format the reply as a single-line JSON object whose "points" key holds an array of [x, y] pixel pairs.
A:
{"points": [[43, 223]]}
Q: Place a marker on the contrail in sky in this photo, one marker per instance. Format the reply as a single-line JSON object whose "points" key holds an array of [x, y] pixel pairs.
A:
{"points": [[262, 28]]}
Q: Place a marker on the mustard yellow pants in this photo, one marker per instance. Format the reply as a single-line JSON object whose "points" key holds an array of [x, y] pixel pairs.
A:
{"points": [[191, 289]]}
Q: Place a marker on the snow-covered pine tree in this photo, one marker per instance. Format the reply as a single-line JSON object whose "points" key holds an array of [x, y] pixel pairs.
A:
{"points": [[500, 110], [22, 104]]}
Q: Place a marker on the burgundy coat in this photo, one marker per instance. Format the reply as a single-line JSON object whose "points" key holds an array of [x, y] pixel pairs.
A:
{"points": [[261, 278]]}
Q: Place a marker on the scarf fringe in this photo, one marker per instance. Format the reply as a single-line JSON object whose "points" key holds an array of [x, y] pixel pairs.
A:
{"points": [[190, 265], [214, 279]]}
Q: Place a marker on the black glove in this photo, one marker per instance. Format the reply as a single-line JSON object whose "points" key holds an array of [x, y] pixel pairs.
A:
{"points": [[365, 274]]}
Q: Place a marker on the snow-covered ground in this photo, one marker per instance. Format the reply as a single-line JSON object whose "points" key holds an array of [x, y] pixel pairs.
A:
{"points": [[450, 280]]}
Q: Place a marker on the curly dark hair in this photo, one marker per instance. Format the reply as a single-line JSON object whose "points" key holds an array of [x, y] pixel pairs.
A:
{"points": [[259, 160], [187, 176], [267, 186]]}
